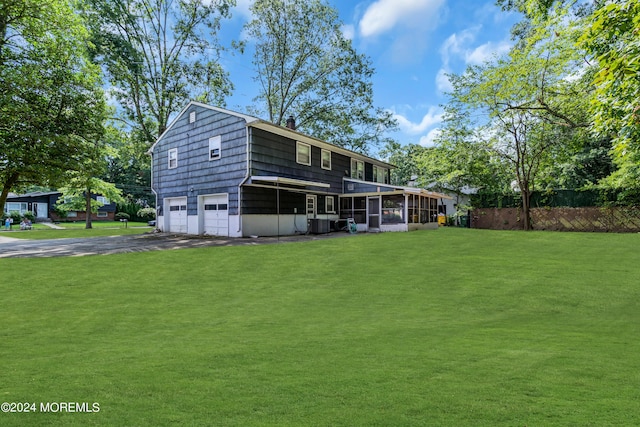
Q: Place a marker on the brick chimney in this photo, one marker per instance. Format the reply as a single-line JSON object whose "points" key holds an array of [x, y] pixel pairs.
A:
{"points": [[291, 123]]}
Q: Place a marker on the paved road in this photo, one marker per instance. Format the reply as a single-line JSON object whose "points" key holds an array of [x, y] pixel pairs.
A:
{"points": [[20, 248]]}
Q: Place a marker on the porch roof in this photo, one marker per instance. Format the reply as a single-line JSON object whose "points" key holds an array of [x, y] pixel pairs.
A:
{"points": [[276, 180]]}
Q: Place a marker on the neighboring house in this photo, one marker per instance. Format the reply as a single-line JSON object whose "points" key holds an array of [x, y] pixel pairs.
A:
{"points": [[458, 204], [219, 172], [42, 204]]}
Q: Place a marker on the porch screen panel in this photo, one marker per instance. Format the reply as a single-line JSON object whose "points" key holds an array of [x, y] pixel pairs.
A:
{"points": [[393, 209]]}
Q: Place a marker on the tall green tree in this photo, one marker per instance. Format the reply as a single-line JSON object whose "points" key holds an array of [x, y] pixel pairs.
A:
{"points": [[52, 106], [307, 69], [460, 162], [533, 98], [404, 158], [158, 55], [612, 39], [77, 195]]}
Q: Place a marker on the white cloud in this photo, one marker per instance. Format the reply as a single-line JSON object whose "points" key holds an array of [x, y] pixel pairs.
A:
{"points": [[348, 31], [432, 117], [456, 44], [243, 8], [460, 46], [486, 52], [443, 84], [429, 139], [384, 15]]}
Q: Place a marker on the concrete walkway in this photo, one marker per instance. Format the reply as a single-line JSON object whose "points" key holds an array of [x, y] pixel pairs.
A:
{"points": [[52, 225], [21, 248]]}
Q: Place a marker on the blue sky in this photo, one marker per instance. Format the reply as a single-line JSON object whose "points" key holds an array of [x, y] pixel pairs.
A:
{"points": [[412, 44]]}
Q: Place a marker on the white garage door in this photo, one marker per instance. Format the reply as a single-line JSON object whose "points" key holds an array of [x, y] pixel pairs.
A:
{"points": [[216, 215], [178, 215]]}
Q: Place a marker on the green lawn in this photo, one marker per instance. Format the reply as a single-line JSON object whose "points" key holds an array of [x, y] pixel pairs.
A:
{"points": [[77, 230], [452, 327]]}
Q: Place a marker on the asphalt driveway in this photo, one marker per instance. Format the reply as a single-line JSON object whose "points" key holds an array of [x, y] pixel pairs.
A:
{"points": [[20, 248]]}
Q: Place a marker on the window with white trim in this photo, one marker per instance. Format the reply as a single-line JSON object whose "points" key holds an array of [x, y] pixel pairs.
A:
{"points": [[329, 204], [192, 117], [215, 144], [103, 200], [326, 159], [173, 158], [103, 214], [380, 175], [357, 169], [303, 153]]}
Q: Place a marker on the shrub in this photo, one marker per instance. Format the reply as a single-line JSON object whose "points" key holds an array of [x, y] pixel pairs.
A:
{"points": [[147, 214], [16, 217], [30, 216], [122, 215]]}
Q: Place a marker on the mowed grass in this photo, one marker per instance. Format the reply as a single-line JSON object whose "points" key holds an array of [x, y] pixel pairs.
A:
{"points": [[452, 327], [77, 230]]}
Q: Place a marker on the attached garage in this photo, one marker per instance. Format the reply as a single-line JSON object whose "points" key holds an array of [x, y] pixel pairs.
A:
{"points": [[214, 214], [177, 218]]}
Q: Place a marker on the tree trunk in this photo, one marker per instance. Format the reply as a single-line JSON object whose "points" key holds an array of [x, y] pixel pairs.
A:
{"points": [[87, 211], [13, 178], [526, 211]]}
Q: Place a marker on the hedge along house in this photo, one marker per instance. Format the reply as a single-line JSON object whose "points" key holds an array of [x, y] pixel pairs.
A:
{"points": [[219, 172]]}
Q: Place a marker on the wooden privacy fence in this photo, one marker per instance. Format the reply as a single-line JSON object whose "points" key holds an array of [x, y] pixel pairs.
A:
{"points": [[602, 219]]}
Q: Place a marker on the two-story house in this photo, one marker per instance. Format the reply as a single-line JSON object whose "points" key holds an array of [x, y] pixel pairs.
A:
{"points": [[219, 172]]}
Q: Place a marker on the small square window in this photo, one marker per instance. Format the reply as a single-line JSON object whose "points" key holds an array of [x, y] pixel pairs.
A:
{"points": [[303, 153], [215, 147], [173, 158], [326, 159]]}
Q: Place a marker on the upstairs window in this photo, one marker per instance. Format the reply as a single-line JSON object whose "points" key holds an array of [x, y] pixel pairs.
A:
{"points": [[326, 159], [380, 175], [103, 200], [303, 153], [173, 158], [215, 147], [357, 169]]}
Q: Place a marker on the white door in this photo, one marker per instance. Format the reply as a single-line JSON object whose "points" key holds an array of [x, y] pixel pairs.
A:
{"points": [[374, 213], [216, 215], [178, 215], [311, 206], [42, 210]]}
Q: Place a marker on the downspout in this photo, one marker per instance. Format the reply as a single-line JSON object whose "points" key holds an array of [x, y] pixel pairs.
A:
{"points": [[150, 153], [246, 178]]}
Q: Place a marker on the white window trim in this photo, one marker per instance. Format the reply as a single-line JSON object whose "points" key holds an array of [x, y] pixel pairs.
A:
{"points": [[103, 200], [103, 214], [331, 209], [172, 151], [379, 174], [302, 144], [354, 170], [215, 141], [323, 152]]}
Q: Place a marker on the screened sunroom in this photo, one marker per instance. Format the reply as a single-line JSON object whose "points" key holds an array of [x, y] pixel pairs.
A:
{"points": [[390, 208]]}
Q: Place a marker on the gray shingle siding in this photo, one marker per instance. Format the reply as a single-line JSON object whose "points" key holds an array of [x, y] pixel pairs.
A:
{"points": [[195, 170], [275, 155]]}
